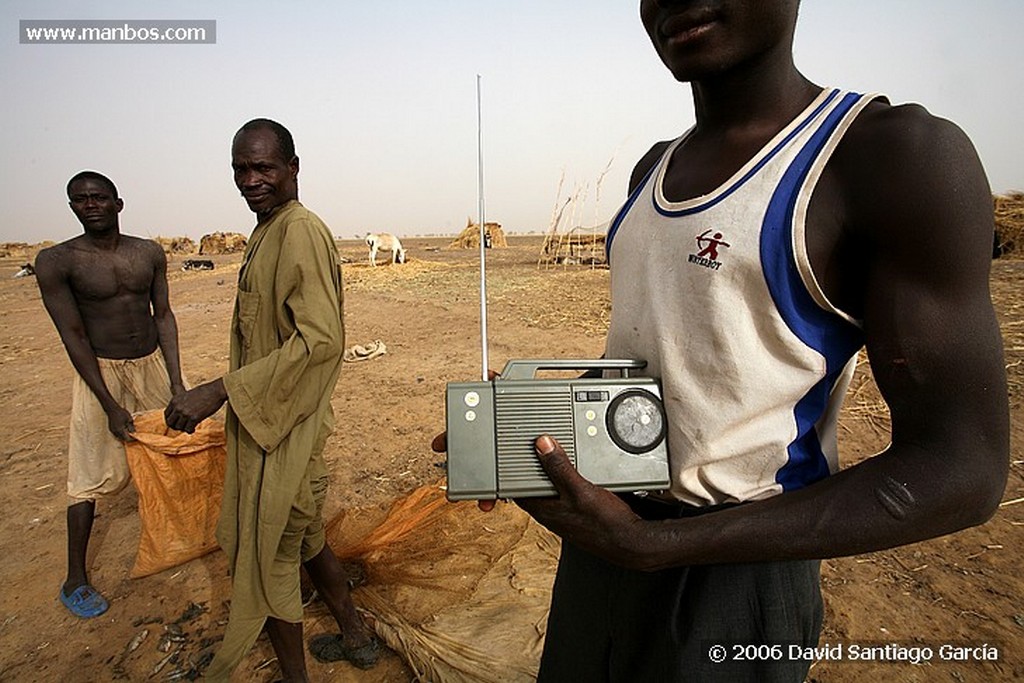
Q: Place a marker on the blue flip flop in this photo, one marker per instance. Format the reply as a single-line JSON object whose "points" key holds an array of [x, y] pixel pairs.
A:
{"points": [[84, 602]]}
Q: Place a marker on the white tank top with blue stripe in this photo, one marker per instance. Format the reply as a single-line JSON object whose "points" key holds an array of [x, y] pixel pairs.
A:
{"points": [[717, 294]]}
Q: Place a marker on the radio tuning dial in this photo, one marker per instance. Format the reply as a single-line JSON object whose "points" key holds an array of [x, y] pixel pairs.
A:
{"points": [[636, 421]]}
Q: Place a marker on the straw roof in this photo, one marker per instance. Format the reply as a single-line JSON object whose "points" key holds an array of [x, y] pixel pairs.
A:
{"points": [[469, 238]]}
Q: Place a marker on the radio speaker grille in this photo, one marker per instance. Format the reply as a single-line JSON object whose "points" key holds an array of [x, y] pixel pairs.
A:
{"points": [[520, 418]]}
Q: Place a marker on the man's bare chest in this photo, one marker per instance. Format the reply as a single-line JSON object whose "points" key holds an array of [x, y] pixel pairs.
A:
{"points": [[101, 276]]}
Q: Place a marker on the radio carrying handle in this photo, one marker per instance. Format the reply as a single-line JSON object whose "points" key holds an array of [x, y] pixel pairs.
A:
{"points": [[527, 369]]}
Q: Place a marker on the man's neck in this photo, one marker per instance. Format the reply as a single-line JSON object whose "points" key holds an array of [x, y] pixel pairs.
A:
{"points": [[761, 96], [264, 216], [107, 240]]}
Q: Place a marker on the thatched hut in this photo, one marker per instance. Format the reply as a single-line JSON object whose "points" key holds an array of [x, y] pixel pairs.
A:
{"points": [[469, 238], [176, 245], [222, 243], [18, 250]]}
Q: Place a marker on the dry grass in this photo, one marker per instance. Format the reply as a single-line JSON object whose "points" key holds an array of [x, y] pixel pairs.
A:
{"points": [[414, 275], [1006, 282], [510, 293], [585, 305], [1009, 217]]}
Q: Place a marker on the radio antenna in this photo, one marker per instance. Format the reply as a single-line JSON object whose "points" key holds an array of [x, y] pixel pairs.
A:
{"points": [[480, 225]]}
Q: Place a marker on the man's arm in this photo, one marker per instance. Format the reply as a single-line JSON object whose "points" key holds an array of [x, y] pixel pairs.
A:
{"points": [[166, 324], [934, 344], [272, 394], [52, 277], [278, 391]]}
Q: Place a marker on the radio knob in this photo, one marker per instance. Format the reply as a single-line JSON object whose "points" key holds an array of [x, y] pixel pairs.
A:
{"points": [[636, 421]]}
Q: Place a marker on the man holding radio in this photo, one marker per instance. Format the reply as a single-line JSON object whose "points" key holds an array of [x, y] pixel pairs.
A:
{"points": [[849, 223]]}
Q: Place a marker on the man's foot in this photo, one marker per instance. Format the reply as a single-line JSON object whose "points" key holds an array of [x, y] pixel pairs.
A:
{"points": [[84, 602], [328, 647]]}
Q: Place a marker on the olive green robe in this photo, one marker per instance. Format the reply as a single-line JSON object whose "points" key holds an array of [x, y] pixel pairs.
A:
{"points": [[287, 339]]}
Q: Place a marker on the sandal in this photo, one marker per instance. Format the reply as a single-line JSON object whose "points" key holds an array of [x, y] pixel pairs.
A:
{"points": [[84, 602], [328, 647]]}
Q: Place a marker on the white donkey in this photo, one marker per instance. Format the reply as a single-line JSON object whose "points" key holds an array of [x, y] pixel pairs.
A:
{"points": [[385, 241]]}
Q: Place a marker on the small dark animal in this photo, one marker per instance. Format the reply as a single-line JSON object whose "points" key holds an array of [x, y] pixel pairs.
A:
{"points": [[26, 271], [197, 264]]}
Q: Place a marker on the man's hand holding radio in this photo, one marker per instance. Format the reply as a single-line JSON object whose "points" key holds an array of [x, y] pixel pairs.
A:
{"points": [[583, 514]]}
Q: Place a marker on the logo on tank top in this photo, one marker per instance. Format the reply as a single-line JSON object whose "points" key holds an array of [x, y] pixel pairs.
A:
{"points": [[708, 245]]}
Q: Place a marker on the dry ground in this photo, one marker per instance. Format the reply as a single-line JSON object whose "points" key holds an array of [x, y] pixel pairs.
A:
{"points": [[962, 589]]}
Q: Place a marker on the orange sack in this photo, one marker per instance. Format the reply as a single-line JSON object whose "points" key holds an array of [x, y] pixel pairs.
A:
{"points": [[180, 480]]}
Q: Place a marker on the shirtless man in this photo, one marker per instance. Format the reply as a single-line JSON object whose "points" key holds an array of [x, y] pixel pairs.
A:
{"points": [[107, 295], [851, 222]]}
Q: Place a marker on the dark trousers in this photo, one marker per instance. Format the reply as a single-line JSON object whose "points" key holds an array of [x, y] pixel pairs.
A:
{"points": [[613, 624]]}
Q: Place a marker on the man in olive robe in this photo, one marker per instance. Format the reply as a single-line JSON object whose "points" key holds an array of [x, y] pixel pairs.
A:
{"points": [[287, 339]]}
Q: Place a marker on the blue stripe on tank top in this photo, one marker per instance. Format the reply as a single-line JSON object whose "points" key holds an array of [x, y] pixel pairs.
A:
{"points": [[613, 228], [749, 174], [617, 221], [835, 338]]}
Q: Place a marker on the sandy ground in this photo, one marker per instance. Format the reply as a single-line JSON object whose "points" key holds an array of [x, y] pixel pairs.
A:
{"points": [[961, 590]]}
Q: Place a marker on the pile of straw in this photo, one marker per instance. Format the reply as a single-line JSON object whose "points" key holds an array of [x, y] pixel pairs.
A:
{"points": [[442, 280], [222, 243], [1009, 214], [18, 250], [469, 238], [176, 245]]}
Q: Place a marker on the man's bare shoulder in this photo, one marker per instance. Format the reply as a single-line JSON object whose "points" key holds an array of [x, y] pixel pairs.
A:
{"points": [[898, 160], [903, 142], [141, 243], [646, 163], [59, 255]]}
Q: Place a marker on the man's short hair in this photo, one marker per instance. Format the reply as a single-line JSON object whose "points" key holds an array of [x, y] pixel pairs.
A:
{"points": [[285, 143], [92, 175]]}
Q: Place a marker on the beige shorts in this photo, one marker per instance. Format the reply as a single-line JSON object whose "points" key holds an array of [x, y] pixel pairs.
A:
{"points": [[97, 465]]}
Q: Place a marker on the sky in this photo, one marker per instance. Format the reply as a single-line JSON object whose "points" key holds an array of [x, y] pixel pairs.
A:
{"points": [[381, 98]]}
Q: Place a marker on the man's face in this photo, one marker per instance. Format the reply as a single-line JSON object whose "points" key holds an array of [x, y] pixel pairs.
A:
{"points": [[265, 178], [94, 205], [697, 39]]}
